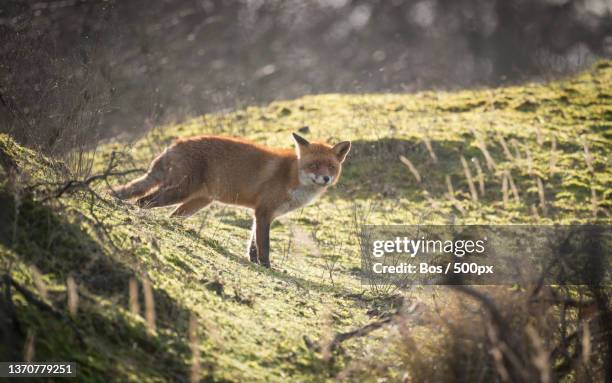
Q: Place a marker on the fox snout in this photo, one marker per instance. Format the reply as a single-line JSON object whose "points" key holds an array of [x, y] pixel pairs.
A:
{"points": [[320, 179]]}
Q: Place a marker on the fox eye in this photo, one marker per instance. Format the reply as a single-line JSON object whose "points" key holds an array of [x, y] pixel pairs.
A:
{"points": [[313, 166], [332, 168]]}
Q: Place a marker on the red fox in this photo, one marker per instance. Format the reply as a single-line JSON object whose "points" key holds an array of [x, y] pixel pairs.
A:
{"points": [[195, 171]]}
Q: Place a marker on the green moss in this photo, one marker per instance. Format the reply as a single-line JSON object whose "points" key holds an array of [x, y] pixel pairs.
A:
{"points": [[252, 321]]}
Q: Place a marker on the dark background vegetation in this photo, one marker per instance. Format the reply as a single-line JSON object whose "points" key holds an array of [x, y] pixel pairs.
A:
{"points": [[75, 71]]}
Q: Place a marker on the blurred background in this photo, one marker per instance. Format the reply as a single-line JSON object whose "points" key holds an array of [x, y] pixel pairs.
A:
{"points": [[73, 72]]}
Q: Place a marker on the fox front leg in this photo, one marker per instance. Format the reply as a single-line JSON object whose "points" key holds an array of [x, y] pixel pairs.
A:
{"points": [[252, 245], [262, 238]]}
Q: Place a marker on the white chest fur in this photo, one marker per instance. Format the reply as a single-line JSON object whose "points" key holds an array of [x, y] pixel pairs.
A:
{"points": [[298, 198]]}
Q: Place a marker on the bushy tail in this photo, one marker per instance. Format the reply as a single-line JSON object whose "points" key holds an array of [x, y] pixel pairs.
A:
{"points": [[141, 185]]}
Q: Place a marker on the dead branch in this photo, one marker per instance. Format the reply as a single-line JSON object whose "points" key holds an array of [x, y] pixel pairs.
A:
{"points": [[542, 195], [429, 147], [480, 143], [411, 167], [75, 185], [480, 173], [468, 176], [359, 332], [504, 146], [365, 330]]}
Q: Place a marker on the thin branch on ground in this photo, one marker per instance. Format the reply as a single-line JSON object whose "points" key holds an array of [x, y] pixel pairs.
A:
{"points": [[72, 186], [360, 332], [368, 328]]}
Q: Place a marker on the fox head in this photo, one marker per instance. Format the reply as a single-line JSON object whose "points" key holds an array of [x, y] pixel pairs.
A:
{"points": [[319, 164]]}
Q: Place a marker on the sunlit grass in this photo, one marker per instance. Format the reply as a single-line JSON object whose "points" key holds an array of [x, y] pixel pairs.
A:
{"points": [[252, 321]]}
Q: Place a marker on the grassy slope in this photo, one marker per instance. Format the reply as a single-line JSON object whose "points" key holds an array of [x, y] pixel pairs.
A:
{"points": [[252, 321]]}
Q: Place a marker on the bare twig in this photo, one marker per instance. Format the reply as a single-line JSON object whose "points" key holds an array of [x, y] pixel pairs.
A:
{"points": [[449, 187], [553, 155], [429, 147], [542, 195], [539, 137], [29, 347], [362, 331], [365, 330], [149, 304], [594, 202], [74, 185], [195, 349], [38, 282], [411, 167], [504, 146], [540, 358], [451, 195], [468, 175], [588, 157], [480, 175], [515, 146], [505, 188], [134, 305], [488, 158], [529, 162], [73, 296], [513, 187]]}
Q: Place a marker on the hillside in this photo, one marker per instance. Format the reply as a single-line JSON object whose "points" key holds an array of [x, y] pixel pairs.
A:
{"points": [[551, 141]]}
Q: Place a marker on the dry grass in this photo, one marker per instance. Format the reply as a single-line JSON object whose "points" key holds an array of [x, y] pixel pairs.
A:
{"points": [[133, 292], [194, 343], [149, 304], [470, 344], [73, 296]]}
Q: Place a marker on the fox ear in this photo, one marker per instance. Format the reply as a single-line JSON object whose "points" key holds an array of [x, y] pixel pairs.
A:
{"points": [[341, 150], [300, 144], [301, 141]]}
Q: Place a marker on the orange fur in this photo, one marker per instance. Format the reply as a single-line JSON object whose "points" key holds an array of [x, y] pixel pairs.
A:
{"points": [[195, 171]]}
